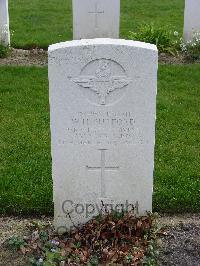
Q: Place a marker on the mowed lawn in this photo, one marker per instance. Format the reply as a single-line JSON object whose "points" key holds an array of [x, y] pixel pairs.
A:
{"points": [[40, 23], [25, 168]]}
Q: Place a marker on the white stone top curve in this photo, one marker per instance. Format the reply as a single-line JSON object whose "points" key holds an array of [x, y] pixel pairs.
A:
{"points": [[102, 41]]}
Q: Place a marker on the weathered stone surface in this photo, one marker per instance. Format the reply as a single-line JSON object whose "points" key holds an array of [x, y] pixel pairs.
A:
{"points": [[96, 19], [4, 23], [103, 108], [191, 19]]}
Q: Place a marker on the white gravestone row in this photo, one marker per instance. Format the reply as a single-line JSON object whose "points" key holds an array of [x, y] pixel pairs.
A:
{"points": [[191, 19], [4, 23], [96, 19], [103, 109]]}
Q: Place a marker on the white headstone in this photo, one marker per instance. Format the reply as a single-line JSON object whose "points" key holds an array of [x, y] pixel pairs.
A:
{"points": [[4, 23], [103, 109], [96, 19], [191, 19]]}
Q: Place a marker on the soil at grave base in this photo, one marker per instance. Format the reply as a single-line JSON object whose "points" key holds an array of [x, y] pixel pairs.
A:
{"points": [[38, 57], [179, 241], [19, 57]]}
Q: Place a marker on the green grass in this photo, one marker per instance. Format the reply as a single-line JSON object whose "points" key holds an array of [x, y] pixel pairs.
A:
{"points": [[40, 23], [25, 181], [177, 164]]}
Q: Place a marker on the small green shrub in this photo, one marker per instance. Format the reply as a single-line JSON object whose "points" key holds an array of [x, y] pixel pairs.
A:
{"points": [[191, 49], [16, 243], [4, 51], [163, 38]]}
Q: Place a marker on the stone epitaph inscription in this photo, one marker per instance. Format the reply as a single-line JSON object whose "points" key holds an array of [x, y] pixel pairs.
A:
{"points": [[96, 13], [103, 78], [102, 128]]}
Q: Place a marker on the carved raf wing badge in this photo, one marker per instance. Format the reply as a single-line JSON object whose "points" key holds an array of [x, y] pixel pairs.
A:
{"points": [[102, 82]]}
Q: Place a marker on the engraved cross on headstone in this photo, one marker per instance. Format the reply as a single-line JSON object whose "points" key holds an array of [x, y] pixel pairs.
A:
{"points": [[96, 12], [103, 169]]}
